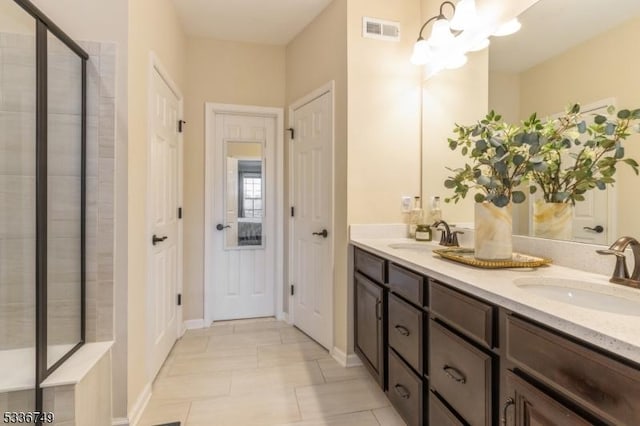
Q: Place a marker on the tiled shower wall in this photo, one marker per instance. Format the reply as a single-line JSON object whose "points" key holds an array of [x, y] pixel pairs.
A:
{"points": [[17, 179]]}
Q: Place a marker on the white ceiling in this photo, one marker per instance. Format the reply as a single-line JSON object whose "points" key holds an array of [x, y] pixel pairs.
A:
{"points": [[254, 21], [551, 27]]}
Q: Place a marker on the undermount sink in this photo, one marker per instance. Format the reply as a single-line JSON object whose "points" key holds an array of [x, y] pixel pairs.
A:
{"points": [[600, 297], [413, 246]]}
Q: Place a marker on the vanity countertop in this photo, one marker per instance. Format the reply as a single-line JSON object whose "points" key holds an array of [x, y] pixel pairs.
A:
{"points": [[613, 332]]}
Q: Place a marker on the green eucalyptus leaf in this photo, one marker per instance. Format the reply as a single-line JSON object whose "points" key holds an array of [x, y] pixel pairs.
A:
{"points": [[483, 180], [465, 150], [518, 197], [479, 198], [610, 129], [601, 185], [481, 145], [560, 197], [623, 114], [635, 114], [619, 154], [518, 159], [500, 201], [450, 184], [582, 126], [600, 119], [575, 108]]}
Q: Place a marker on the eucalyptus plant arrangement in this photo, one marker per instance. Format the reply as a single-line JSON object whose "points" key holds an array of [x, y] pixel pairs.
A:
{"points": [[500, 161], [574, 153]]}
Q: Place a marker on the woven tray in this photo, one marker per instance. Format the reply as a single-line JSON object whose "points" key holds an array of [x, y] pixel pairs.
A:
{"points": [[466, 256]]}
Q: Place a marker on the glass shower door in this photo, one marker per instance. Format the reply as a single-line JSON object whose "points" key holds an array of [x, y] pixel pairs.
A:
{"points": [[17, 208]]}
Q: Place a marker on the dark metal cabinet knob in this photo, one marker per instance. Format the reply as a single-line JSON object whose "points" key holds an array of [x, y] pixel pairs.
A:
{"points": [[598, 229], [220, 226], [155, 240], [324, 233]]}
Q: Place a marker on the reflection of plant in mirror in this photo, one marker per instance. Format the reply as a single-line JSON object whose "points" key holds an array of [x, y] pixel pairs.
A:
{"points": [[570, 156], [499, 155]]}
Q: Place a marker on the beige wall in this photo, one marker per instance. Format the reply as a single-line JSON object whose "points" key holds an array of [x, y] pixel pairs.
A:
{"points": [[589, 73], [315, 57], [456, 96], [221, 72], [153, 26]]}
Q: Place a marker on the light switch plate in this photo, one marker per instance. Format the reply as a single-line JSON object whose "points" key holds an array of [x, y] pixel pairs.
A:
{"points": [[405, 204]]}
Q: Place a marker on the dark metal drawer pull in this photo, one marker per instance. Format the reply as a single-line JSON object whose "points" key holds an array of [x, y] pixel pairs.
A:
{"points": [[402, 391], [403, 330], [455, 374], [378, 313], [508, 403]]}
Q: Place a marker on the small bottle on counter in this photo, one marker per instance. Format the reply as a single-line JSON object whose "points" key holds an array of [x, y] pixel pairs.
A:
{"points": [[423, 233], [416, 216], [436, 210]]}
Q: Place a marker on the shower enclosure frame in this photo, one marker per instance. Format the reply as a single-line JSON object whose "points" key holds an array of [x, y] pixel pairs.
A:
{"points": [[44, 26]]}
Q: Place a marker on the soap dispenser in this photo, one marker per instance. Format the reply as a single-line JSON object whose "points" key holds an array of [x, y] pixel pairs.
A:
{"points": [[416, 217]]}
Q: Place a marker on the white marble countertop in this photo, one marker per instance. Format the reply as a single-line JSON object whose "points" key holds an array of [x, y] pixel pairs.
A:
{"points": [[610, 331]]}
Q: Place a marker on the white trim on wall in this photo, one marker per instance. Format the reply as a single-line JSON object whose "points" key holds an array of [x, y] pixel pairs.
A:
{"points": [[141, 403], [326, 88], [278, 114]]}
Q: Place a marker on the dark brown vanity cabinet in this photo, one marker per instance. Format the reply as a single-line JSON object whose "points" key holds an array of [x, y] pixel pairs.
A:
{"points": [[446, 357], [370, 313]]}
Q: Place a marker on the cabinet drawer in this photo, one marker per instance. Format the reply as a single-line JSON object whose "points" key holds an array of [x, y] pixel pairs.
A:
{"points": [[406, 331], [407, 284], [439, 414], [405, 391], [470, 316], [602, 385], [461, 374], [534, 407], [370, 265]]}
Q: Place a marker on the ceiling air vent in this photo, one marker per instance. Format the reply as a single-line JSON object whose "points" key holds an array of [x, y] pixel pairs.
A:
{"points": [[380, 29]]}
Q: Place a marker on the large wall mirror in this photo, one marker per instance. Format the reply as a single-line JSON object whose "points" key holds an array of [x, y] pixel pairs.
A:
{"points": [[574, 51], [245, 195]]}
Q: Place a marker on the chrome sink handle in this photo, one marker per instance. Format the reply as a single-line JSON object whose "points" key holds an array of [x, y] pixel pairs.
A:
{"points": [[621, 272]]}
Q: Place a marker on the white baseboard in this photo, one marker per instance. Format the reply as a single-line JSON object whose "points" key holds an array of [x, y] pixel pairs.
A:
{"points": [[120, 421], [140, 405], [283, 316], [345, 360], [193, 324]]}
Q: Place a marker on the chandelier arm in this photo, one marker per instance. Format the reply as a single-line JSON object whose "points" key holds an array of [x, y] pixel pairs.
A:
{"points": [[433, 18], [453, 6]]}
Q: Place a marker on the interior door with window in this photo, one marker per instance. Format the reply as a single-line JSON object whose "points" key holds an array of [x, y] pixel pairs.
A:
{"points": [[243, 242]]}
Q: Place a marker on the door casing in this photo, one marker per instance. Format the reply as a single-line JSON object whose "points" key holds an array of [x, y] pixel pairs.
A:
{"points": [[211, 109]]}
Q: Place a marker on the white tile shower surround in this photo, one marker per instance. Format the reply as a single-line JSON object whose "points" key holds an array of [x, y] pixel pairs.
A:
{"points": [[17, 170], [262, 372]]}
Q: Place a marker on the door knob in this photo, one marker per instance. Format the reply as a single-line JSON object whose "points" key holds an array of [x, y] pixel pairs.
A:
{"points": [[323, 233], [155, 240], [220, 226], [598, 229]]}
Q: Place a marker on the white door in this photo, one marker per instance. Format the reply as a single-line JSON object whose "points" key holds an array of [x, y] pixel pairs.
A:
{"points": [[164, 244], [243, 254], [312, 202]]}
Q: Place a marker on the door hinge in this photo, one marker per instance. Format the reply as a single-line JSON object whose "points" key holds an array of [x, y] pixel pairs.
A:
{"points": [[292, 290], [179, 299], [179, 212], [293, 132], [293, 211], [181, 124]]}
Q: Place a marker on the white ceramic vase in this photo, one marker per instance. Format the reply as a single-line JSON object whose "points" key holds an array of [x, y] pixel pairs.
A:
{"points": [[493, 232], [553, 220]]}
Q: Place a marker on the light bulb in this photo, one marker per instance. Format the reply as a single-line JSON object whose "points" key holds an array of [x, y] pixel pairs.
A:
{"points": [[479, 45], [440, 33], [508, 28], [457, 61], [421, 52], [465, 15]]}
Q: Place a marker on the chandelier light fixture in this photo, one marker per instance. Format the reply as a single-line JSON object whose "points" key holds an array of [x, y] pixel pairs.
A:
{"points": [[452, 38]]}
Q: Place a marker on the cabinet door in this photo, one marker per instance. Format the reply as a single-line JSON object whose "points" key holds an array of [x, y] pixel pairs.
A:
{"points": [[369, 322], [535, 408]]}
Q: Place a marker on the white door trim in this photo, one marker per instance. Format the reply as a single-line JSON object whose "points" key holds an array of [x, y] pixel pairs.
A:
{"points": [[326, 88], [155, 66], [209, 171]]}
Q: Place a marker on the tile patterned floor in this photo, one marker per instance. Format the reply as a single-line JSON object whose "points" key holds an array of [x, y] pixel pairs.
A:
{"points": [[262, 372]]}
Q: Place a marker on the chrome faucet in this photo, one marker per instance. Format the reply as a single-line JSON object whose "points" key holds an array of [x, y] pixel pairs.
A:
{"points": [[620, 272], [447, 238]]}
